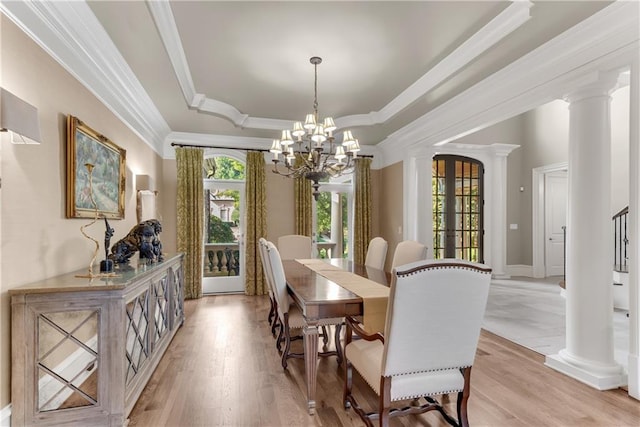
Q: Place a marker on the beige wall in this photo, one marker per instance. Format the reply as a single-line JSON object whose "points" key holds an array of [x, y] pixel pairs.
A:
{"points": [[37, 240], [391, 211]]}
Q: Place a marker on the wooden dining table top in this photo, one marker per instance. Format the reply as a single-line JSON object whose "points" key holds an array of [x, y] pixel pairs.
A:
{"points": [[319, 297]]}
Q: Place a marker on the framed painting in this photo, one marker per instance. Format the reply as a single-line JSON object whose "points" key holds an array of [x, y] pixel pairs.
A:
{"points": [[92, 155]]}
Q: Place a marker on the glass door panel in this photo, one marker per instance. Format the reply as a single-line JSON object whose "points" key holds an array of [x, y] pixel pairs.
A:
{"points": [[457, 208], [223, 265]]}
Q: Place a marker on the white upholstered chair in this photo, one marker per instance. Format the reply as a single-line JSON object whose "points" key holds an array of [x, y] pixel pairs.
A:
{"points": [[376, 253], [434, 316], [295, 246], [289, 314], [408, 251], [268, 276]]}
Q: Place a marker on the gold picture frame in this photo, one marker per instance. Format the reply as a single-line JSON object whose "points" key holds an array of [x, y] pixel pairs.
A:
{"points": [[85, 145]]}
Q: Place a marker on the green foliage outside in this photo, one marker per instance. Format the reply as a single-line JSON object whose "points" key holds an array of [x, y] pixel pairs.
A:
{"points": [[323, 216], [323, 220], [228, 169], [219, 231]]}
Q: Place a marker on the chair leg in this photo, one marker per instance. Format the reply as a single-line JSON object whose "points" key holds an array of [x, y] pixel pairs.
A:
{"points": [[274, 324], [287, 344], [271, 311], [325, 338], [280, 337], [385, 401], [338, 343], [348, 383], [463, 397]]}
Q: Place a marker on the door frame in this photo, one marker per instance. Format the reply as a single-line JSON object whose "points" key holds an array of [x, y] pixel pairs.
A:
{"points": [[538, 214], [233, 284]]}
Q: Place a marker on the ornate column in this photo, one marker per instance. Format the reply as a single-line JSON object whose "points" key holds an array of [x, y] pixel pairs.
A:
{"points": [[588, 355], [634, 228]]}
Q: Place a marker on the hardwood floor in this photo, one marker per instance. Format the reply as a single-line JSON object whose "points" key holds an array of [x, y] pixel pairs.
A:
{"points": [[222, 369]]}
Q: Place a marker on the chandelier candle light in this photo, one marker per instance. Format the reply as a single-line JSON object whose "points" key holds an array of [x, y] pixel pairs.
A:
{"points": [[316, 156]]}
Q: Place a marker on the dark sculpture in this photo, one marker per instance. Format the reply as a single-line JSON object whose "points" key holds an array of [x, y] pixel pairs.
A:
{"points": [[143, 238], [106, 266]]}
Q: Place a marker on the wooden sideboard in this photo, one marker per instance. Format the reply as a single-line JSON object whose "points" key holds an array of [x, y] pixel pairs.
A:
{"points": [[82, 350]]}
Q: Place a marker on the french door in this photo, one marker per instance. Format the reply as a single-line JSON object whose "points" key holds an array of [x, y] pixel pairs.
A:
{"points": [[332, 220], [457, 186], [223, 263]]}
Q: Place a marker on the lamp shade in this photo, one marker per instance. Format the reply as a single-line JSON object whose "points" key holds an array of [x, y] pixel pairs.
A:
{"points": [[19, 117], [144, 182]]}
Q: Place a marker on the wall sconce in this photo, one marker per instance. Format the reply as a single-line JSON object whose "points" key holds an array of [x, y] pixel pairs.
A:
{"points": [[144, 183], [20, 118], [146, 201]]}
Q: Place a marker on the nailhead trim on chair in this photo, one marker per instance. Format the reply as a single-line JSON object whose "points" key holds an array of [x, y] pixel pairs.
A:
{"points": [[421, 395], [416, 396], [432, 370], [419, 372], [441, 267]]}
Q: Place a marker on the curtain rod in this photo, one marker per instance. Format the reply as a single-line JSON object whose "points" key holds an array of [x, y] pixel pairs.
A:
{"points": [[179, 144]]}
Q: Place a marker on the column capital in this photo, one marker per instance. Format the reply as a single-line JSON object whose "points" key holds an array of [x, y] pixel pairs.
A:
{"points": [[602, 83]]}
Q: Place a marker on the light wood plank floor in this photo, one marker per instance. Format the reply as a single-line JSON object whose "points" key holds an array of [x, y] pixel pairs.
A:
{"points": [[222, 369]]}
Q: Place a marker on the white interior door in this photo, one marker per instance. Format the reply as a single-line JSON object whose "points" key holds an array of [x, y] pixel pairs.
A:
{"points": [[223, 255], [555, 219]]}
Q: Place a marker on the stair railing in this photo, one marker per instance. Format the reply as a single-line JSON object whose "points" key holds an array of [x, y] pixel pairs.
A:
{"points": [[620, 240]]}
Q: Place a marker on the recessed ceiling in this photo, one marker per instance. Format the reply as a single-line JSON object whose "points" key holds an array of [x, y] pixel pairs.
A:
{"points": [[254, 56]]}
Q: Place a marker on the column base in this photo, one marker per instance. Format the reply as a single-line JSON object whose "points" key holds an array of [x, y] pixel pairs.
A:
{"points": [[598, 376]]}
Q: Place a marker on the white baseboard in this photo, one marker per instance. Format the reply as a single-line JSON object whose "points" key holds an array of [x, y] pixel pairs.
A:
{"points": [[520, 270], [5, 416]]}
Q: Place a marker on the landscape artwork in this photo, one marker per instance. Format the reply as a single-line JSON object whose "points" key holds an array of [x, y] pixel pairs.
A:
{"points": [[92, 155]]}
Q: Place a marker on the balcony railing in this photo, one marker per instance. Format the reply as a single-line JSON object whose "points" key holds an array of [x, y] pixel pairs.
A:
{"points": [[221, 259]]}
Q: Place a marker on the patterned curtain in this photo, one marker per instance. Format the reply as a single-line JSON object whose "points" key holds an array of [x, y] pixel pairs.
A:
{"points": [[362, 220], [302, 204], [256, 222], [190, 207]]}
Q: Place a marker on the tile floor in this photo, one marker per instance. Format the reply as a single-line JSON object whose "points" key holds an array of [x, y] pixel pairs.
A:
{"points": [[531, 312]]}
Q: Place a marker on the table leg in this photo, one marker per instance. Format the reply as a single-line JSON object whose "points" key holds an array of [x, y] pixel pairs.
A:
{"points": [[310, 339]]}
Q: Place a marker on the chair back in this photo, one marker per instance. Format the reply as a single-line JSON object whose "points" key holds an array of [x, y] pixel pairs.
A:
{"points": [[408, 251], [434, 316], [376, 253], [266, 265], [294, 246], [279, 280]]}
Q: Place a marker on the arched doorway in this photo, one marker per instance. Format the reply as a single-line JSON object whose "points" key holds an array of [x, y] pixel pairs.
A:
{"points": [[457, 196]]}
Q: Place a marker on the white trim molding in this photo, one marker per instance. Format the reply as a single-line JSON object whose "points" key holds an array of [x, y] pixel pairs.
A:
{"points": [[5, 416], [608, 40], [520, 270], [498, 28], [71, 34]]}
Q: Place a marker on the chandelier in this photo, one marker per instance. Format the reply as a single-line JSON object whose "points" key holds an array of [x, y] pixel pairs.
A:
{"points": [[316, 155]]}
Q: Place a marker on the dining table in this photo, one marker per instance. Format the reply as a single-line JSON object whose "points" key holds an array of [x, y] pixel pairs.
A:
{"points": [[333, 288]]}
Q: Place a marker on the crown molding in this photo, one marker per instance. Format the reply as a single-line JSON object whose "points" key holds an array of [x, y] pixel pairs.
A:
{"points": [[498, 28], [502, 25], [608, 40], [71, 34]]}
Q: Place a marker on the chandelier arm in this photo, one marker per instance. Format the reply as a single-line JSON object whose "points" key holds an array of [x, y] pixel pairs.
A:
{"points": [[291, 174]]}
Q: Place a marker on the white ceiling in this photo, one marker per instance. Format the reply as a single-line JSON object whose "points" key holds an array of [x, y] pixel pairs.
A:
{"points": [[239, 71], [254, 56]]}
